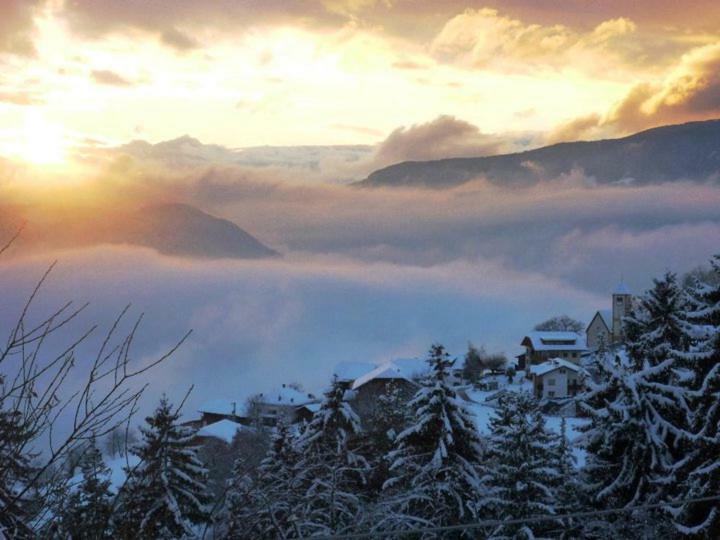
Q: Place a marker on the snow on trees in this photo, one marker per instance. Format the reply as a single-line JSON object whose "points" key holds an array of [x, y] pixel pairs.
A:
{"points": [[87, 510], [166, 494], [262, 506], [330, 471], [700, 464], [523, 469], [435, 462]]}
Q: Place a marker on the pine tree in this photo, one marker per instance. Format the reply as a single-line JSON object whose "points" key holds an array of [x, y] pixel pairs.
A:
{"points": [[330, 471], [700, 467], [569, 496], [388, 419], [262, 507], [436, 461], [623, 454], [86, 512], [657, 340], [166, 494], [15, 470], [524, 468]]}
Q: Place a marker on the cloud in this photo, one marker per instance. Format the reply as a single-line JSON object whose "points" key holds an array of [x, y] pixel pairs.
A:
{"points": [[20, 98], [486, 38], [17, 26], [444, 137], [176, 22], [110, 78], [178, 40], [689, 91]]}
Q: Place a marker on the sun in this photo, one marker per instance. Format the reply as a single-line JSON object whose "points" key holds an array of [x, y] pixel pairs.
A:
{"points": [[38, 142]]}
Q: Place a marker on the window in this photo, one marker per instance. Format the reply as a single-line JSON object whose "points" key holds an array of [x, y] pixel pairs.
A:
{"points": [[551, 382], [551, 393], [619, 300]]}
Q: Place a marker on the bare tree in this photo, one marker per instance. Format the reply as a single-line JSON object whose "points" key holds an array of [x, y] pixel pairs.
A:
{"points": [[560, 323], [36, 392]]}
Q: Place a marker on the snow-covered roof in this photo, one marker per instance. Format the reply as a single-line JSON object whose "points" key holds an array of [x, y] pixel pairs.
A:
{"points": [[555, 341], [312, 407], [621, 288], [349, 371], [412, 367], [224, 430], [386, 371], [552, 365], [284, 395], [221, 406]]}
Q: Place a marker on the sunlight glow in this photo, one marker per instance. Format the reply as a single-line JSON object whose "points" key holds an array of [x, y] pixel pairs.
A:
{"points": [[37, 142]]}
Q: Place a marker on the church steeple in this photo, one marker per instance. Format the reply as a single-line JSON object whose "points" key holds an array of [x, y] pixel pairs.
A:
{"points": [[621, 303]]}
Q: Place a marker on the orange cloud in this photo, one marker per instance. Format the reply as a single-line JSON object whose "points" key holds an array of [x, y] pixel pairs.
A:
{"points": [[690, 91], [17, 26]]}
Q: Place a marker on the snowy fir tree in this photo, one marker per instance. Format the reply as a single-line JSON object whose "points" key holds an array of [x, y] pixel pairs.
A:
{"points": [[700, 466], [435, 462], [331, 473], [657, 338], [569, 495], [86, 511], [14, 472], [626, 449], [388, 419], [262, 507], [523, 469], [166, 494]]}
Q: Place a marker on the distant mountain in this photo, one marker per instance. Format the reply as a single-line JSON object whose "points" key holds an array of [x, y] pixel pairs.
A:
{"points": [[180, 229], [687, 151], [187, 151], [171, 229]]}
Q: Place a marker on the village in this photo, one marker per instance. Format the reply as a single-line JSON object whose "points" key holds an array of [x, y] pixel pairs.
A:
{"points": [[553, 367]]}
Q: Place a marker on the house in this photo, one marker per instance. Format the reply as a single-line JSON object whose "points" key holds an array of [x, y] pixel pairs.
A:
{"points": [[284, 402], [556, 378], [384, 378], [221, 409], [541, 346], [265, 408], [606, 325]]}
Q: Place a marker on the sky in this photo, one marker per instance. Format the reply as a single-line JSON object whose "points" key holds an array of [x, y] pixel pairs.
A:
{"points": [[237, 107], [244, 73]]}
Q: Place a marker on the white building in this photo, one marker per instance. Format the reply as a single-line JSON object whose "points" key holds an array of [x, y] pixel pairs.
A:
{"points": [[555, 379]]}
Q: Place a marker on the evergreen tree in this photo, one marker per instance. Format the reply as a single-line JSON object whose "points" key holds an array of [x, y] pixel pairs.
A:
{"points": [[86, 511], [388, 419], [436, 461], [166, 494], [330, 472], [262, 507], [626, 444], [700, 467], [15, 470], [524, 468], [657, 341]]}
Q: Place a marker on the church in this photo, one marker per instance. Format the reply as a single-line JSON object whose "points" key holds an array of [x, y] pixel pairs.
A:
{"points": [[606, 326]]}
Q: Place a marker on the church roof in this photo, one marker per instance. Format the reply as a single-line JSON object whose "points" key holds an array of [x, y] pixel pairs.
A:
{"points": [[621, 288], [606, 317]]}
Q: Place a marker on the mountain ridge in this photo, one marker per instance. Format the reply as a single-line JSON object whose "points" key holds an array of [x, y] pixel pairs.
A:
{"points": [[681, 151]]}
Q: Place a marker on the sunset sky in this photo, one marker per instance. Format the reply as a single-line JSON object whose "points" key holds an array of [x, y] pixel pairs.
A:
{"points": [[246, 73]]}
